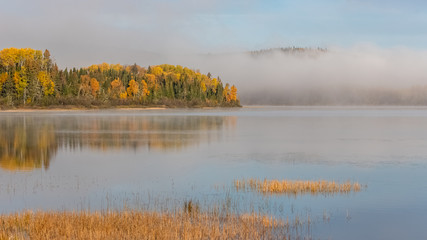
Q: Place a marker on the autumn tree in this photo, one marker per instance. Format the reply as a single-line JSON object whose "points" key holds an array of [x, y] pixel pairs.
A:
{"points": [[47, 62], [226, 93], [3, 78], [133, 88], [46, 82], [21, 82], [84, 89], [116, 88], [145, 91], [233, 93], [94, 86]]}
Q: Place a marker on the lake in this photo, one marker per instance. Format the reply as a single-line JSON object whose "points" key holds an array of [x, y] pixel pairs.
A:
{"points": [[158, 159]]}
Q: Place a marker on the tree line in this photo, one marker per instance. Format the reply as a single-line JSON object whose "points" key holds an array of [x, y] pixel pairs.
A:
{"points": [[29, 77]]}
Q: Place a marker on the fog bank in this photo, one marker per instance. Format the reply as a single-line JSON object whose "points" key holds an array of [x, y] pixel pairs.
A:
{"points": [[338, 76]]}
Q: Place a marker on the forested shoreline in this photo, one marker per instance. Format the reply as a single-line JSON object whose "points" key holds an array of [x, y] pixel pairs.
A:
{"points": [[30, 79]]}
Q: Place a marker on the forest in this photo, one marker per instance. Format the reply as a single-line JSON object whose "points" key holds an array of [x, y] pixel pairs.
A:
{"points": [[30, 78]]}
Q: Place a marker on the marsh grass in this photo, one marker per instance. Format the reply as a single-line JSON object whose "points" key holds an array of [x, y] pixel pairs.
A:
{"points": [[138, 224], [296, 187]]}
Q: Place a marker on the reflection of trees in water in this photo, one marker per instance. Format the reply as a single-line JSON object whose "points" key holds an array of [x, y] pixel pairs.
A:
{"points": [[131, 132], [28, 142]]}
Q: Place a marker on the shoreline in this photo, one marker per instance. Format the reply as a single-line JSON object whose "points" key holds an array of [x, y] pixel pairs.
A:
{"points": [[124, 108], [164, 107]]}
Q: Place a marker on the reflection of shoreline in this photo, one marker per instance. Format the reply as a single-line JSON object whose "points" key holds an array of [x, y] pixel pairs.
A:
{"points": [[29, 141], [76, 109], [25, 145]]}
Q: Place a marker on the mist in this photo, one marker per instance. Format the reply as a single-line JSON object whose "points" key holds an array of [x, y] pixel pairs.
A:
{"points": [[363, 74]]}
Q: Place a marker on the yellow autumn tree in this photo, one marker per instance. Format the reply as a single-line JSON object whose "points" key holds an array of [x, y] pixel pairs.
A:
{"points": [[93, 68], [21, 81], [177, 77], [214, 84], [116, 67], [8, 57], [145, 91], [157, 71], [233, 93], [94, 86], [3, 78], [133, 88], [116, 88], [123, 95], [14, 57], [226, 93], [47, 84], [203, 86], [104, 67]]}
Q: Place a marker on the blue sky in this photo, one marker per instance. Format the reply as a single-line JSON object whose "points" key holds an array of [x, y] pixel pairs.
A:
{"points": [[90, 27]]}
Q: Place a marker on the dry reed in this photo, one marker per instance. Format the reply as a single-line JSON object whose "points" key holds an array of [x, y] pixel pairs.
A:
{"points": [[142, 225], [296, 187]]}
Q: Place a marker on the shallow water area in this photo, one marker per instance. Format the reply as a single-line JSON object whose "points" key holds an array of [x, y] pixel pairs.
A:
{"points": [[156, 159]]}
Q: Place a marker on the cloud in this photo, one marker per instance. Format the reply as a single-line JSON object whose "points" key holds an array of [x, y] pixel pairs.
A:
{"points": [[82, 32]]}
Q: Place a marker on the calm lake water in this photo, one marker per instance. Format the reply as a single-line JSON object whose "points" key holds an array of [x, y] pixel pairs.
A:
{"points": [[153, 159]]}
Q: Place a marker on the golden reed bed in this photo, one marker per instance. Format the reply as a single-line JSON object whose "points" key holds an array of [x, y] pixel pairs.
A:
{"points": [[296, 187], [142, 225]]}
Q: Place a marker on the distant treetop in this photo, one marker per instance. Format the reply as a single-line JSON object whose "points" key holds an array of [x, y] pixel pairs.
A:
{"points": [[288, 50]]}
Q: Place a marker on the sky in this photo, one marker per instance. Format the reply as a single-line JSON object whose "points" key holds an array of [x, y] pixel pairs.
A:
{"points": [[82, 32]]}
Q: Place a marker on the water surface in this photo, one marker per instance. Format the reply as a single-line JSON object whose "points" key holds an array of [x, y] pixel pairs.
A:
{"points": [[152, 158]]}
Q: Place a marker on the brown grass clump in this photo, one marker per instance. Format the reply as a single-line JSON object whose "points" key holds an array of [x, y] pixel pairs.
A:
{"points": [[296, 187], [141, 225]]}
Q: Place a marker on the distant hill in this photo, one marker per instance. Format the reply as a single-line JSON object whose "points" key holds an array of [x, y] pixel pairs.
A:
{"points": [[289, 51]]}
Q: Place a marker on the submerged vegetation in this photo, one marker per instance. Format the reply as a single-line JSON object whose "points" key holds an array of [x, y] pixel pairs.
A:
{"points": [[29, 77], [296, 187], [180, 224]]}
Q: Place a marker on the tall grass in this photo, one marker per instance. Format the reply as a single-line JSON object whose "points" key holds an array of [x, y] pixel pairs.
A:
{"points": [[295, 187], [180, 224]]}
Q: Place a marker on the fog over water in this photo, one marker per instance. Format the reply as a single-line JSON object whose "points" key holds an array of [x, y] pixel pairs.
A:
{"points": [[363, 74]]}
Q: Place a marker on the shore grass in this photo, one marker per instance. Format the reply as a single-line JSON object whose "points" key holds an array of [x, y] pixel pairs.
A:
{"points": [[296, 187], [136, 224]]}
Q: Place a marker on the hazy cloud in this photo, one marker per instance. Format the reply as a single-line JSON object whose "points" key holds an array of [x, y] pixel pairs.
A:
{"points": [[82, 32]]}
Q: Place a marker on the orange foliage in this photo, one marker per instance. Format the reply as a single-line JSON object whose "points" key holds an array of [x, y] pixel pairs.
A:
{"points": [[116, 88], [123, 95], [3, 78], [133, 88], [233, 93], [145, 91], [94, 86], [226, 93]]}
